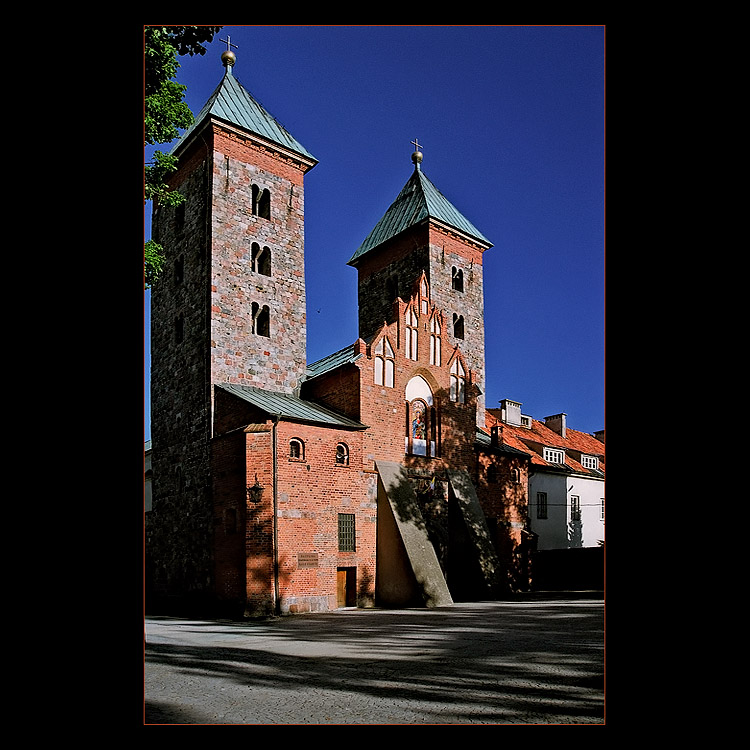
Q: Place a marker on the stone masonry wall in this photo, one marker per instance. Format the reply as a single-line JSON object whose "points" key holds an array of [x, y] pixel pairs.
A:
{"points": [[275, 359]]}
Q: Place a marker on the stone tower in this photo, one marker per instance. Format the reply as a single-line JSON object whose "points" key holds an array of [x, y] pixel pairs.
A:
{"points": [[423, 232], [230, 305]]}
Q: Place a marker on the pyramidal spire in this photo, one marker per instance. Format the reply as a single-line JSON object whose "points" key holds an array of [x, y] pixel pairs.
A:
{"points": [[233, 104], [418, 201]]}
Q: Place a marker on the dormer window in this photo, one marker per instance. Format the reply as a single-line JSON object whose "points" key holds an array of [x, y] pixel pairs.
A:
{"points": [[554, 455], [589, 462]]}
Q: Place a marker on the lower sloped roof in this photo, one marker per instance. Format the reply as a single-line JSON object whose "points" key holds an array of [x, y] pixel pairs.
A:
{"points": [[290, 407]]}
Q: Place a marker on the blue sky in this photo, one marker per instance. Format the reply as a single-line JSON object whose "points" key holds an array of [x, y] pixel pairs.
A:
{"points": [[511, 123]]}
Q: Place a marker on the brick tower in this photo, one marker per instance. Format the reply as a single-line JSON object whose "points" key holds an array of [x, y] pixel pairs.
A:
{"points": [[230, 307], [422, 232]]}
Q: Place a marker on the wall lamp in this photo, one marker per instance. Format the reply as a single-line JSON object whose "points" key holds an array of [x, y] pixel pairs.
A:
{"points": [[255, 492]]}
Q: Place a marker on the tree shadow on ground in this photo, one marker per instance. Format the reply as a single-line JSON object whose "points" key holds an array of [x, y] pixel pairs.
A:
{"points": [[493, 663]]}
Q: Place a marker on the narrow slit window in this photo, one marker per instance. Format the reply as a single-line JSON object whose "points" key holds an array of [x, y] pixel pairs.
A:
{"points": [[412, 323]]}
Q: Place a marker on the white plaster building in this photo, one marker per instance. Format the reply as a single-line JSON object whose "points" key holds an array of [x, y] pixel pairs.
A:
{"points": [[566, 482]]}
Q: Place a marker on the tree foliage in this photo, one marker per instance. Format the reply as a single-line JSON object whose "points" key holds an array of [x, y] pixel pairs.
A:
{"points": [[165, 114]]}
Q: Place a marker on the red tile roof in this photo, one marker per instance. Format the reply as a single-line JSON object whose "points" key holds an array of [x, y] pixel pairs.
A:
{"points": [[533, 440]]}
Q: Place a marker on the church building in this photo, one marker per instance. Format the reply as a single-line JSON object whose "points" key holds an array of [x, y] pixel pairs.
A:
{"points": [[365, 479]]}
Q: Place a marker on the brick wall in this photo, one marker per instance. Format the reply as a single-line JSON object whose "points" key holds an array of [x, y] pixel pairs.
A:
{"points": [[311, 492]]}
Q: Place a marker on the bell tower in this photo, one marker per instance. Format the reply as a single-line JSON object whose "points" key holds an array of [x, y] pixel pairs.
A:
{"points": [[230, 305], [423, 233]]}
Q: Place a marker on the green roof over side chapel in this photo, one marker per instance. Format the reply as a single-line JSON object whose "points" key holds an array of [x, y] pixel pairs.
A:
{"points": [[418, 201]]}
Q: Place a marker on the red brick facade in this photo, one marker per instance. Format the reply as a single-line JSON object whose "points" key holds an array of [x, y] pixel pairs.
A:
{"points": [[267, 512]]}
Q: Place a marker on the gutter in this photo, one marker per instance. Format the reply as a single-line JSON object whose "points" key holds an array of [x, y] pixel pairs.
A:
{"points": [[276, 598]]}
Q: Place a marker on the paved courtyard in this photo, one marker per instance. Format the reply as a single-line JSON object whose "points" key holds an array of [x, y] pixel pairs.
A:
{"points": [[530, 661]]}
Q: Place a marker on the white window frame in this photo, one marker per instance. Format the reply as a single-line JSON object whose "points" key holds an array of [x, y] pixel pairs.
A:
{"points": [[589, 462], [554, 455]]}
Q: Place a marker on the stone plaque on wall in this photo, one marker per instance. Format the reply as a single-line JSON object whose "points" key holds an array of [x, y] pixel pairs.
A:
{"points": [[307, 560]]}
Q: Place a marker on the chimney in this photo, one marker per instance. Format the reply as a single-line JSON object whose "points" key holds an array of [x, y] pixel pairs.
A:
{"points": [[511, 411], [556, 423], [599, 435]]}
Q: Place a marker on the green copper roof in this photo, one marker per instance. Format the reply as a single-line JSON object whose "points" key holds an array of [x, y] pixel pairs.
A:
{"points": [[418, 201], [233, 104], [331, 362], [290, 407]]}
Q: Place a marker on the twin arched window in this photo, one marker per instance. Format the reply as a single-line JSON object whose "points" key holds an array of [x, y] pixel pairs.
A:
{"points": [[384, 364], [458, 326], [457, 279], [261, 202], [261, 259], [260, 320]]}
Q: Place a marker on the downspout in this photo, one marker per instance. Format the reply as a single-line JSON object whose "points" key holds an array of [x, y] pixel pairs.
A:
{"points": [[277, 601]]}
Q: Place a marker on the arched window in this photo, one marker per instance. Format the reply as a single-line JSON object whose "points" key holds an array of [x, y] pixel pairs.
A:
{"points": [[261, 259], [384, 366], [422, 432], [296, 450], [435, 341], [457, 279], [342, 454], [412, 321], [458, 382], [261, 202], [458, 326], [424, 296], [261, 320]]}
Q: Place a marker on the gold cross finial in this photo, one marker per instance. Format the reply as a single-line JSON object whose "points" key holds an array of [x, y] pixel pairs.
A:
{"points": [[228, 58], [416, 157]]}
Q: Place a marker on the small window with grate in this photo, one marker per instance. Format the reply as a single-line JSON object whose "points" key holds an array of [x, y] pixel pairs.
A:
{"points": [[347, 541]]}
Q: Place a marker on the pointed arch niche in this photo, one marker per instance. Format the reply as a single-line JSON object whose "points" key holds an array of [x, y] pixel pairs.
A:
{"points": [[422, 419]]}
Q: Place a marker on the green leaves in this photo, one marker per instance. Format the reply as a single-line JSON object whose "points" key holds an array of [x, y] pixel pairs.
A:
{"points": [[165, 113]]}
